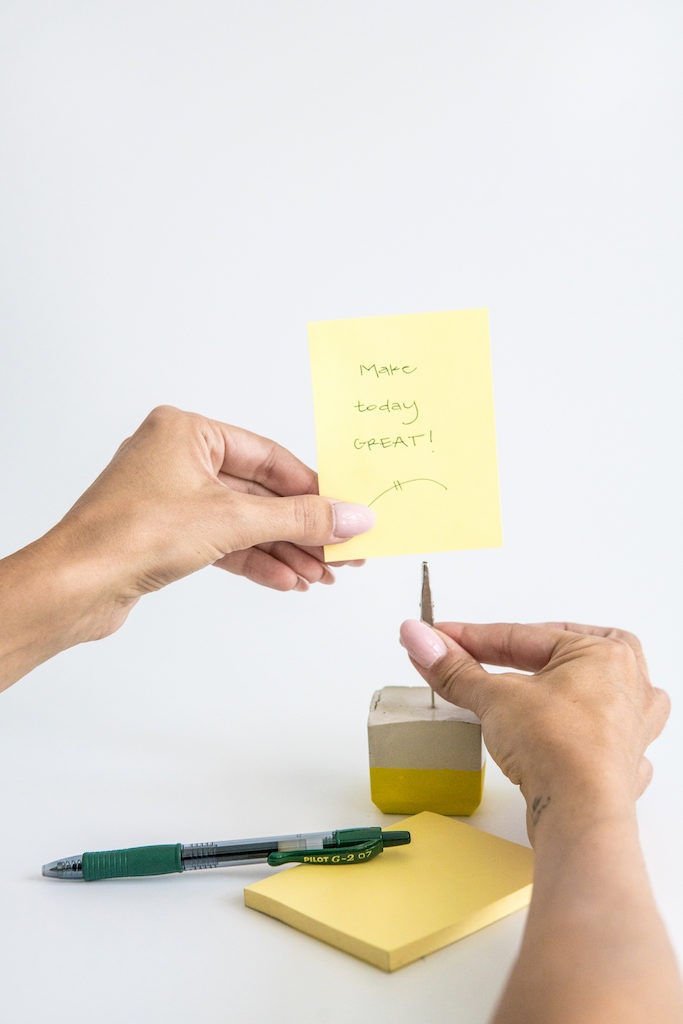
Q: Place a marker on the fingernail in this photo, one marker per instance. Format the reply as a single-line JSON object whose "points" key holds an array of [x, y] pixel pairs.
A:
{"points": [[421, 642], [301, 585], [351, 519]]}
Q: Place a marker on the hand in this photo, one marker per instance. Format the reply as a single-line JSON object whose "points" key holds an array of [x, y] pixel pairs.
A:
{"points": [[582, 721], [185, 492]]}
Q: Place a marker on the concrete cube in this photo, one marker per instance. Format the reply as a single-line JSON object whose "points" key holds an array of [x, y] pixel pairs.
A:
{"points": [[423, 758]]}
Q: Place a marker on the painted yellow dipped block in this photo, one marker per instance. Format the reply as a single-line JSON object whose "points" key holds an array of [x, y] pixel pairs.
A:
{"points": [[411, 790], [423, 758]]}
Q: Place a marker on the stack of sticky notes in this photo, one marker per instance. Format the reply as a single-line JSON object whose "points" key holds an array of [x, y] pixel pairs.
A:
{"points": [[412, 900]]}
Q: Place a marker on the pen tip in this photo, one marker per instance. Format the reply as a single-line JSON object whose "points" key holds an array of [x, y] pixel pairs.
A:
{"points": [[69, 867]]}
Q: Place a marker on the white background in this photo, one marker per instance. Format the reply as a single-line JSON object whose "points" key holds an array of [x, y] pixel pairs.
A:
{"points": [[184, 186]]}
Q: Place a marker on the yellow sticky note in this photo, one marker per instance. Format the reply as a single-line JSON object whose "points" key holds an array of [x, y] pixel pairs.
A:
{"points": [[450, 881], [404, 422]]}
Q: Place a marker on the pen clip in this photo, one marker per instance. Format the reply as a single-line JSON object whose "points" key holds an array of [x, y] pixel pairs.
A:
{"points": [[356, 853]]}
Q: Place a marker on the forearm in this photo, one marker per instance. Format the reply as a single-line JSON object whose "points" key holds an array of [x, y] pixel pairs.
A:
{"points": [[594, 948], [53, 595]]}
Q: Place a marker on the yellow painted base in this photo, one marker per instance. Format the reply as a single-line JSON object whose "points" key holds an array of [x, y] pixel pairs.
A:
{"points": [[411, 790]]}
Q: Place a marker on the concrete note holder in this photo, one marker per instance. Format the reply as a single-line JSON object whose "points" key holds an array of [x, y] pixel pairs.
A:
{"points": [[423, 758]]}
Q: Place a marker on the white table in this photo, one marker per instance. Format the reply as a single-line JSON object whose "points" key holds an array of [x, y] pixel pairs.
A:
{"points": [[184, 186], [124, 743]]}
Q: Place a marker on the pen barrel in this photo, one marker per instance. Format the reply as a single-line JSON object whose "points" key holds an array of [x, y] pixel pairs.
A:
{"points": [[198, 856], [131, 863]]}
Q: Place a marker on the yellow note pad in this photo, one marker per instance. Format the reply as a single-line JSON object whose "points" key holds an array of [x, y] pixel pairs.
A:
{"points": [[411, 900], [404, 422]]}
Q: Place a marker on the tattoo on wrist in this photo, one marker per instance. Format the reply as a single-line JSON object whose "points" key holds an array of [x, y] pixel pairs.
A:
{"points": [[538, 806]]}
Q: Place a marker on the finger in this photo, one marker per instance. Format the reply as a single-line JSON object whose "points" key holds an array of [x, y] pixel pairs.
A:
{"points": [[317, 552], [512, 645], [249, 519], [251, 487], [262, 568], [253, 457], [314, 568], [303, 564], [446, 666]]}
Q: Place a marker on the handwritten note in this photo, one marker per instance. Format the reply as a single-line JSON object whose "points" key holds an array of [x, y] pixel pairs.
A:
{"points": [[404, 421]]}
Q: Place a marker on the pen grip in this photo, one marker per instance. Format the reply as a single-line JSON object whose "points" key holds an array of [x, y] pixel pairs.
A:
{"points": [[139, 860]]}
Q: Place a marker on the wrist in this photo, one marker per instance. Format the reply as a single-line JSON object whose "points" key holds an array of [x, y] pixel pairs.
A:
{"points": [[54, 594], [88, 579], [563, 805]]}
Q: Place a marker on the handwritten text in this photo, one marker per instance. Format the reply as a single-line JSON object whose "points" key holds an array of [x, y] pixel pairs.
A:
{"points": [[390, 407], [396, 441], [386, 371]]}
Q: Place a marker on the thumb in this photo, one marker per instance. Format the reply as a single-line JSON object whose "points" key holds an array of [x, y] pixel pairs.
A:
{"points": [[448, 668], [305, 519]]}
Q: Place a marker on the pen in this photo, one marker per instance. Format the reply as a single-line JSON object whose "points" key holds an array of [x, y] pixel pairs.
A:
{"points": [[342, 846]]}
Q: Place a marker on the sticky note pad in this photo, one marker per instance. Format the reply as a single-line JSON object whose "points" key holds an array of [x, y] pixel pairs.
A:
{"points": [[450, 881], [404, 423]]}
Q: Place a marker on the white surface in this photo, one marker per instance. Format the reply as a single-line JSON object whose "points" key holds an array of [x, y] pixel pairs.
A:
{"points": [[184, 186]]}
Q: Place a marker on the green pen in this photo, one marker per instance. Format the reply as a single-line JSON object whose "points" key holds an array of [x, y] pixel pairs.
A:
{"points": [[343, 846]]}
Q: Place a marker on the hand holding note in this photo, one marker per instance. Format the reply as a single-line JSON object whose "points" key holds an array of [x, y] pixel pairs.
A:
{"points": [[183, 492], [404, 417]]}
